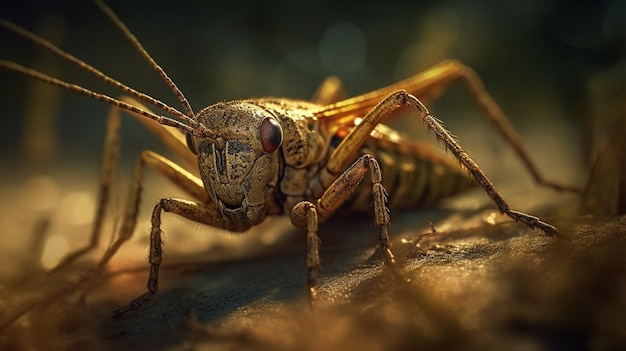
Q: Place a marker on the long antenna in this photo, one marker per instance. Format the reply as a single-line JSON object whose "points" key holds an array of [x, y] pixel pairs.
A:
{"points": [[133, 40], [193, 127], [87, 67]]}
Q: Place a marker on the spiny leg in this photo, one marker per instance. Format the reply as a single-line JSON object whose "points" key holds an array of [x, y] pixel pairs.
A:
{"points": [[155, 256], [173, 139], [429, 85], [345, 185], [451, 71], [306, 215], [351, 143], [173, 172], [463, 157], [176, 174], [194, 211]]}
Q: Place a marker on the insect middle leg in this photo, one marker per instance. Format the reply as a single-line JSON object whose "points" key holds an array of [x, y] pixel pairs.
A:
{"points": [[346, 150], [306, 215]]}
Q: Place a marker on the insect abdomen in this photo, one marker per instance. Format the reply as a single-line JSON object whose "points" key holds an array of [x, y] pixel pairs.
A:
{"points": [[414, 173]]}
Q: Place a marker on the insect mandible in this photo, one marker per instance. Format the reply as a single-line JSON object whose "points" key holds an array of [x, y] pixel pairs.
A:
{"points": [[276, 156]]}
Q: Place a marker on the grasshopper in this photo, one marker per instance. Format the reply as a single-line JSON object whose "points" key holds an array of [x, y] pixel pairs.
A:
{"points": [[254, 158]]}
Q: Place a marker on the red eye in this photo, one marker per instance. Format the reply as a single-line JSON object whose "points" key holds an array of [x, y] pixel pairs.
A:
{"points": [[271, 134]]}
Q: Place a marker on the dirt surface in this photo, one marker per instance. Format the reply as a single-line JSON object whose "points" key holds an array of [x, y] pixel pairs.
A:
{"points": [[479, 282]]}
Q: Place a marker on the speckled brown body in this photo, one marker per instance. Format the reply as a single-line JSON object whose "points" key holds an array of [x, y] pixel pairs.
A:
{"points": [[414, 173]]}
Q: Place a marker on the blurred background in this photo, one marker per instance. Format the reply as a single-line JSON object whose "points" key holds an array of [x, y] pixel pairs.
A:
{"points": [[539, 59], [556, 68]]}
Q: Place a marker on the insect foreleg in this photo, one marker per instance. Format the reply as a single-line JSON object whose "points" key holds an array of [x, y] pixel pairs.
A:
{"points": [[176, 174], [197, 212]]}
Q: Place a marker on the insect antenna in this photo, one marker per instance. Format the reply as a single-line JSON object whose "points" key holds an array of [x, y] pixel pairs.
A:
{"points": [[135, 42], [193, 127], [87, 67]]}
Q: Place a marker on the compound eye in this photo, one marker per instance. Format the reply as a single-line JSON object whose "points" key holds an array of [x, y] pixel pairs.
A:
{"points": [[271, 134], [190, 145]]}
